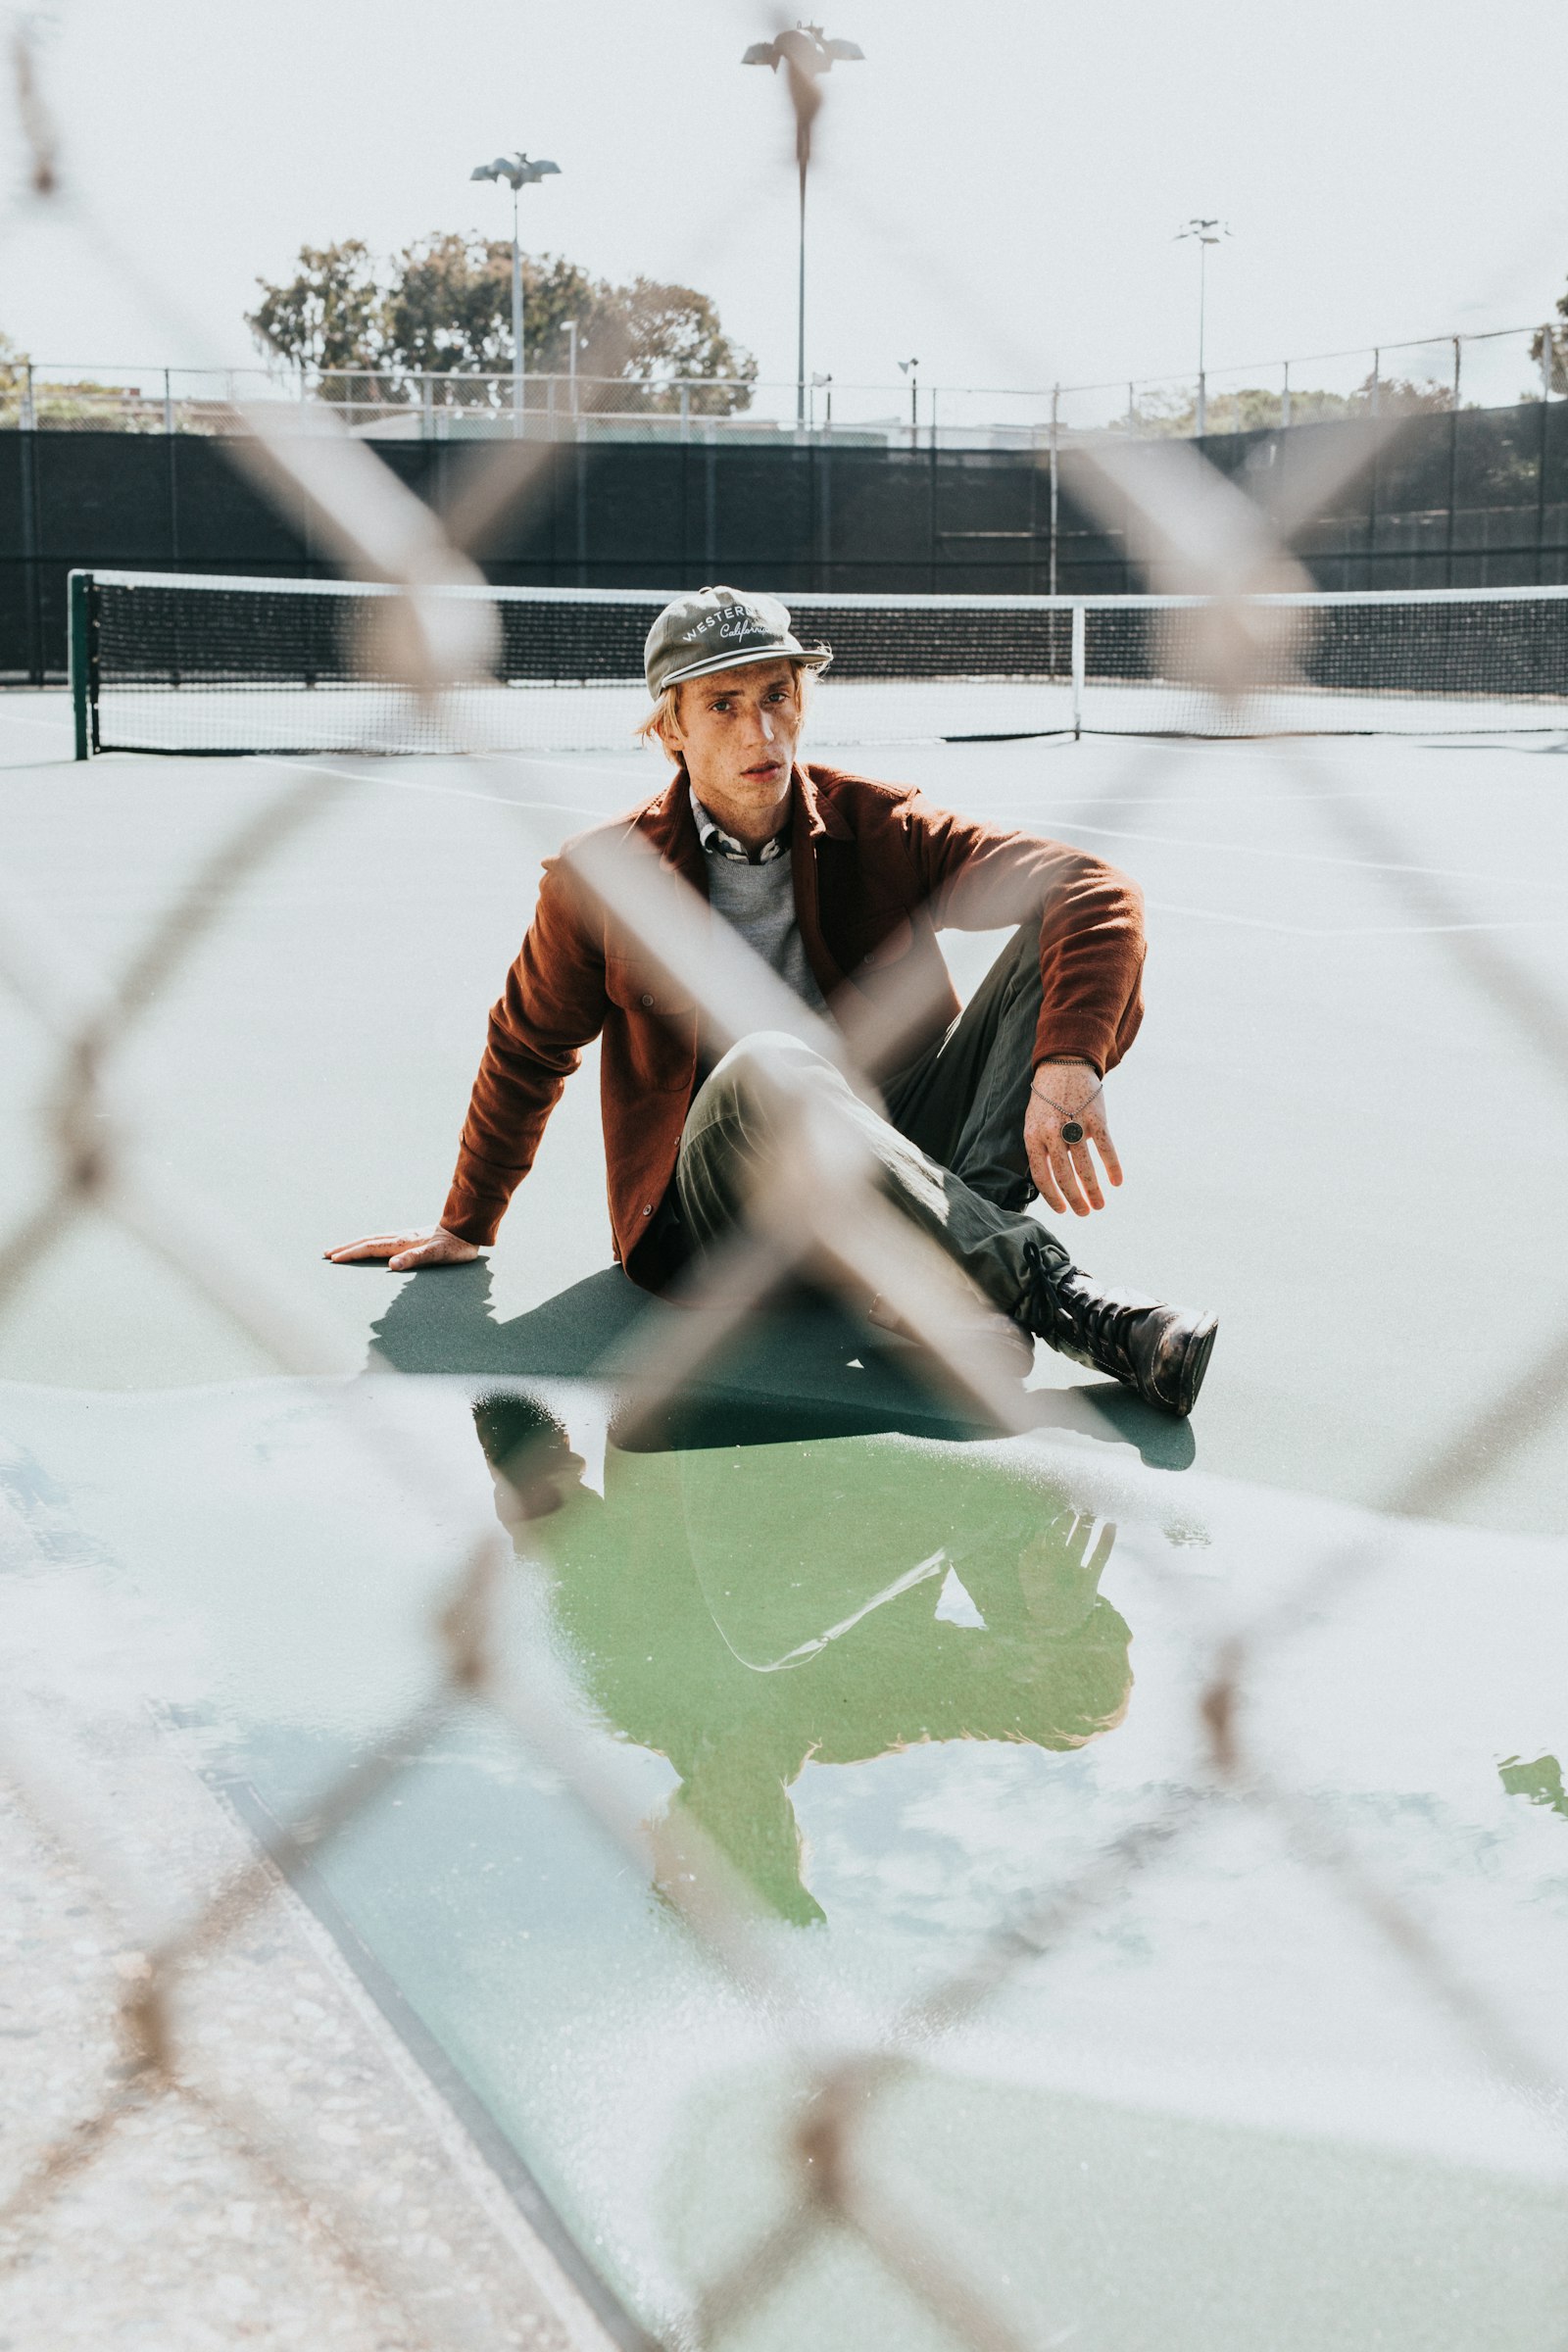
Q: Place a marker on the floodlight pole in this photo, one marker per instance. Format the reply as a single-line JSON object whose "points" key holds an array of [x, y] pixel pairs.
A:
{"points": [[518, 173], [809, 54], [1206, 233], [799, 304], [517, 317], [912, 368]]}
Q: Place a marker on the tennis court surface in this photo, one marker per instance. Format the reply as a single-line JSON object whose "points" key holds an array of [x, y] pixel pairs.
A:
{"points": [[1154, 1838]]}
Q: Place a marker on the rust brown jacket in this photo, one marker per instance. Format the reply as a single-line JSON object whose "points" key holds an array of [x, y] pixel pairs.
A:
{"points": [[878, 871]]}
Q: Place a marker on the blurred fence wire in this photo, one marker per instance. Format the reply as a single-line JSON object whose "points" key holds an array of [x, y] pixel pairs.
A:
{"points": [[1501, 367], [820, 1209]]}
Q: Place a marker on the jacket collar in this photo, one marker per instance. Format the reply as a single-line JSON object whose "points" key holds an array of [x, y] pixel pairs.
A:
{"points": [[669, 825], [818, 806]]}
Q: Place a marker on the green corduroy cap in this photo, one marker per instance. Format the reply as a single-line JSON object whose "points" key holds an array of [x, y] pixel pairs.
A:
{"points": [[721, 628]]}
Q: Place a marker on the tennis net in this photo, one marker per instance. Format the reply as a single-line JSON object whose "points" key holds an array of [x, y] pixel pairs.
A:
{"points": [[191, 664]]}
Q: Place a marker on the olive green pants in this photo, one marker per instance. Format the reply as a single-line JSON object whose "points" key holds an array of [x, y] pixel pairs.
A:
{"points": [[949, 1148]]}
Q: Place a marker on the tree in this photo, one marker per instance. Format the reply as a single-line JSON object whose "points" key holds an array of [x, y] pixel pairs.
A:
{"points": [[668, 331], [449, 306], [329, 315], [1550, 343], [443, 305]]}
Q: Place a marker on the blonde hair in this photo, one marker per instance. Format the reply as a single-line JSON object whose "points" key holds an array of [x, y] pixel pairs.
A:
{"points": [[665, 716]]}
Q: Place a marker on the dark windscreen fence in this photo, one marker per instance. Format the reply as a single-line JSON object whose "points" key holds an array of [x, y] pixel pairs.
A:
{"points": [[193, 664]]}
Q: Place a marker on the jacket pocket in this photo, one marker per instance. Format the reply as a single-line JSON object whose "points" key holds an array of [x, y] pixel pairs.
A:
{"points": [[640, 989]]}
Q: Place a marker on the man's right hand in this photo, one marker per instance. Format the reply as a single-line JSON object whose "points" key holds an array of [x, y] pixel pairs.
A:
{"points": [[431, 1245]]}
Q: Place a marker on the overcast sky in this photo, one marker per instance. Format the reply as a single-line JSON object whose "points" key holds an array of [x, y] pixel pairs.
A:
{"points": [[996, 190]]}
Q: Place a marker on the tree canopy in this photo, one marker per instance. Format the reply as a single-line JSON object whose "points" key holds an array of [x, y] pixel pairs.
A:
{"points": [[328, 315], [444, 304], [1550, 344]]}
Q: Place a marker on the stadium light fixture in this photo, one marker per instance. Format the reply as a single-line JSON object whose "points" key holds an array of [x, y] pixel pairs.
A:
{"points": [[806, 54], [519, 172], [1204, 233]]}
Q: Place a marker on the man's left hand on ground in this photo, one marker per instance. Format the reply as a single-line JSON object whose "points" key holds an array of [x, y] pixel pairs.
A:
{"points": [[1068, 1093]]}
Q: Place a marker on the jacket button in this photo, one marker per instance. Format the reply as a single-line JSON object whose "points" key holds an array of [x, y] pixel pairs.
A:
{"points": [[645, 999]]}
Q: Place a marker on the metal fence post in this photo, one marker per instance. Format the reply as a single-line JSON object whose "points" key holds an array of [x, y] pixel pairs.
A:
{"points": [[1055, 405], [1542, 447], [1080, 635], [1132, 408], [1285, 397], [685, 410], [931, 492], [30, 414], [169, 404], [1546, 363], [1202, 404], [1454, 470], [31, 577], [427, 403], [1377, 371]]}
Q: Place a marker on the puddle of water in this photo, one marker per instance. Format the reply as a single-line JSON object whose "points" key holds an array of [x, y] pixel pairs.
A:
{"points": [[908, 1687]]}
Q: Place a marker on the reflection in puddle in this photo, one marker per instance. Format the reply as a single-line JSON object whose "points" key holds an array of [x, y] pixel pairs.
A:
{"points": [[744, 1611], [1540, 1781]]}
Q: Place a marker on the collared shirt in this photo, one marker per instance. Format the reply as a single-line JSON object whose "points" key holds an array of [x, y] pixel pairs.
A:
{"points": [[720, 844], [755, 897]]}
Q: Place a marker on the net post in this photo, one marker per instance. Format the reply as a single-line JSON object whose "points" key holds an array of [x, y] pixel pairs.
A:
{"points": [[1079, 636], [1055, 407], [80, 651]]}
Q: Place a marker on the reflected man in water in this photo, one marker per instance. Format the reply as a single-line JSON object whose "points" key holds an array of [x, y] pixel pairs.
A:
{"points": [[744, 1611]]}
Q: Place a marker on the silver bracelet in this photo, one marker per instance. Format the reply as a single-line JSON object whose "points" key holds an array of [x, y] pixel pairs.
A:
{"points": [[1072, 1128]]}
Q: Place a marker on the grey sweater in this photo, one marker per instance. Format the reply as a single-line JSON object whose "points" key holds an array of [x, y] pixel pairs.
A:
{"points": [[757, 898]]}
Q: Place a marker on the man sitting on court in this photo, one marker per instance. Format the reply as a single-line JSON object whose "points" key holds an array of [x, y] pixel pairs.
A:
{"points": [[840, 885]]}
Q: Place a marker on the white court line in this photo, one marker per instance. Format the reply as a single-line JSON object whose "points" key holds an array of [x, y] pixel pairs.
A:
{"points": [[60, 721], [1368, 865], [1197, 913], [1254, 797], [440, 791], [1257, 922]]}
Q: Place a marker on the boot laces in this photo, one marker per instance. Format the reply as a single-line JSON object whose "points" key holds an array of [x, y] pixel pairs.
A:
{"points": [[1088, 1321], [1101, 1326]]}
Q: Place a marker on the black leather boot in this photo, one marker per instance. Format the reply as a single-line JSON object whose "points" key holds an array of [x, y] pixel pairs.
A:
{"points": [[1162, 1351]]}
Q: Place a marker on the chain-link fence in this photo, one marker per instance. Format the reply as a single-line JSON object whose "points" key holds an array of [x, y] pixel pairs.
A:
{"points": [[819, 1211], [1501, 367]]}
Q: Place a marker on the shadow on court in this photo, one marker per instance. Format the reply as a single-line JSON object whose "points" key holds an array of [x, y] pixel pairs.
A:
{"points": [[804, 1369]]}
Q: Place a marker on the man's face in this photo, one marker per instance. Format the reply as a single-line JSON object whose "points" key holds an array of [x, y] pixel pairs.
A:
{"points": [[738, 729]]}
